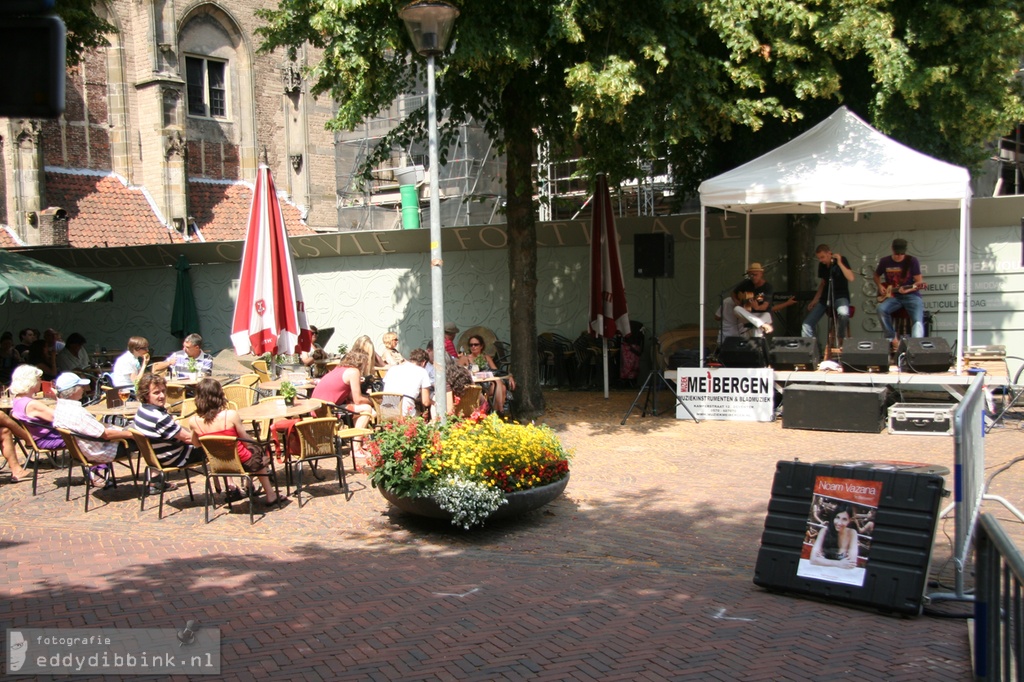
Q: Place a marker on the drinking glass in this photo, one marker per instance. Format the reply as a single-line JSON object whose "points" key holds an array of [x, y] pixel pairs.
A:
{"points": [[124, 393]]}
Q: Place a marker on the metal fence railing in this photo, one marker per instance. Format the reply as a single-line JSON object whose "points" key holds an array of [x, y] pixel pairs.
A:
{"points": [[998, 604]]}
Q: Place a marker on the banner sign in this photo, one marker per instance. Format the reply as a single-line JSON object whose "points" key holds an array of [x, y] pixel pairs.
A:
{"points": [[723, 394]]}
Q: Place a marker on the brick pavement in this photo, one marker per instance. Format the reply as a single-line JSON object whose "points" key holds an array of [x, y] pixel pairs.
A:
{"points": [[642, 570]]}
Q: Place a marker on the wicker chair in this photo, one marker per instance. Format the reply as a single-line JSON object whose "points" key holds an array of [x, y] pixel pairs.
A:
{"points": [[33, 452], [317, 441], [147, 455], [78, 456], [222, 462]]}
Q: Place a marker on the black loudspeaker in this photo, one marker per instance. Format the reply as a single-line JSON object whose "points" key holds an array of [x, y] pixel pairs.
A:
{"points": [[654, 255], [737, 351], [795, 353], [865, 355], [894, 551], [854, 409], [930, 354]]}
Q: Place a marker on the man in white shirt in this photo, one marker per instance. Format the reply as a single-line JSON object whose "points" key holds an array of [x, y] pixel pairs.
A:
{"points": [[410, 379], [69, 414]]}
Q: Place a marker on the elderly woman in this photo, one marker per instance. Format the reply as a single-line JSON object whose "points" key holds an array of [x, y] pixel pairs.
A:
{"points": [[36, 415], [9, 428], [213, 418], [172, 443], [390, 354]]}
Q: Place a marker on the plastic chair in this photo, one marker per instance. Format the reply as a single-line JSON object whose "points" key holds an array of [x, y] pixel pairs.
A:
{"points": [[317, 441], [147, 455]]}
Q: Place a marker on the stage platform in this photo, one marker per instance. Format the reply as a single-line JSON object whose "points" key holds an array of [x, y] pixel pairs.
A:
{"points": [[950, 382]]}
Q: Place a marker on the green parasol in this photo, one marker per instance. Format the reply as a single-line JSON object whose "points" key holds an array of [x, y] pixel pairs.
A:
{"points": [[184, 316], [27, 280]]}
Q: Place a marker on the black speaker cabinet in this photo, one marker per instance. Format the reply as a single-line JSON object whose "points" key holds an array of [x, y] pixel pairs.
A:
{"points": [[859, 409], [737, 351], [894, 534], [865, 355], [930, 354], [654, 255], [795, 353]]}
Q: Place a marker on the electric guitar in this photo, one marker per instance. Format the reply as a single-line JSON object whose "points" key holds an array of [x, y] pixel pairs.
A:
{"points": [[891, 290]]}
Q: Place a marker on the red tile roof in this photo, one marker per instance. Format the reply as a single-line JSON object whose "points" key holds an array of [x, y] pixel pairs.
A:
{"points": [[221, 210], [104, 211], [8, 237]]}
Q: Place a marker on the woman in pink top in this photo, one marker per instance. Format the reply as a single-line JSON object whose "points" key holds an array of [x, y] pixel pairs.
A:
{"points": [[212, 418]]}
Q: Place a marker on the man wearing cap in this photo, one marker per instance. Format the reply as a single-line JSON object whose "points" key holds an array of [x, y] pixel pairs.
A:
{"points": [[450, 331], [899, 282], [69, 414]]}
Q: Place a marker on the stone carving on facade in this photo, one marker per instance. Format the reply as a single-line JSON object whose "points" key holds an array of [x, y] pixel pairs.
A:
{"points": [[175, 144], [291, 76], [27, 132], [296, 160]]}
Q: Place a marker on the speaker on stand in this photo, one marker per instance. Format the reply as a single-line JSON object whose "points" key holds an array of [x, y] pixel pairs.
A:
{"points": [[654, 257]]}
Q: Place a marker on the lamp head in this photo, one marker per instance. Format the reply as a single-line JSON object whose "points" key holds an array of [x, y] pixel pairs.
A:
{"points": [[429, 23]]}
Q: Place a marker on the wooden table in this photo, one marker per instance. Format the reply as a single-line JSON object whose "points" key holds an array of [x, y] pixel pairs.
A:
{"points": [[275, 385], [273, 410], [276, 409], [126, 411], [188, 382]]}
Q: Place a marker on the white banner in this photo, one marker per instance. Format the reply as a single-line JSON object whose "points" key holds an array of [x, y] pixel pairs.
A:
{"points": [[726, 394]]}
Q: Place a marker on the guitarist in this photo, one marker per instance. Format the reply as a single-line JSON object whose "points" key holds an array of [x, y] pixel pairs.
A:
{"points": [[899, 282]]}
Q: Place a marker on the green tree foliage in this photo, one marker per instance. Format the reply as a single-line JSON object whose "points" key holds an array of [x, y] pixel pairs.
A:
{"points": [[667, 79], [85, 28]]}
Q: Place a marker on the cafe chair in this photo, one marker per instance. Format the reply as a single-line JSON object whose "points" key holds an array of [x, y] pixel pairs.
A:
{"points": [[387, 406], [250, 380], [222, 462], [78, 457], [261, 369], [469, 401], [188, 408], [242, 396], [175, 398], [317, 441], [154, 466], [33, 452]]}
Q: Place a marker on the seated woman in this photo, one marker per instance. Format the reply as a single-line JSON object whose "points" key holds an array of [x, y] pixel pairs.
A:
{"points": [[43, 356], [365, 345], [476, 360], [341, 386], [35, 415], [390, 354], [213, 418], [172, 443]]}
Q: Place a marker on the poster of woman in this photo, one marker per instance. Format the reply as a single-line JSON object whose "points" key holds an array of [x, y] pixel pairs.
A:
{"points": [[840, 524]]}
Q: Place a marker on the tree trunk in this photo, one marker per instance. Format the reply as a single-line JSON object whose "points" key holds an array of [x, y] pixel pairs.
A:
{"points": [[522, 263]]}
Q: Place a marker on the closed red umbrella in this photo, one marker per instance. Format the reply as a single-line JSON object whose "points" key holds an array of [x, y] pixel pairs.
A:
{"points": [[608, 311], [270, 314]]}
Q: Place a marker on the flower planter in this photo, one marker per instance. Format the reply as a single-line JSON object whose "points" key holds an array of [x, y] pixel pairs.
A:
{"points": [[517, 503]]}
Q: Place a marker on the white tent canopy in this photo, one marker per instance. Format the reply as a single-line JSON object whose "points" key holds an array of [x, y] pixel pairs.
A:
{"points": [[843, 165]]}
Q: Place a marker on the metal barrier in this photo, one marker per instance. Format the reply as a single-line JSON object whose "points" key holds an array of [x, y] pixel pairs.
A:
{"points": [[998, 604]]}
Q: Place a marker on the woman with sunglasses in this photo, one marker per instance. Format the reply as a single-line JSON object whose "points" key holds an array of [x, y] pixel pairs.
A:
{"points": [[477, 360]]}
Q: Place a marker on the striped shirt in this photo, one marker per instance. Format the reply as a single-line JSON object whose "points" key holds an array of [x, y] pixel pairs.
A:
{"points": [[161, 429]]}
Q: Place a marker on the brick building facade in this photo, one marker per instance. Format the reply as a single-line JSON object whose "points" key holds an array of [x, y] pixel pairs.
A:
{"points": [[163, 131]]}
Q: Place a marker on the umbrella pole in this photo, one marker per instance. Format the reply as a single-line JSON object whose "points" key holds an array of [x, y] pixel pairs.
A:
{"points": [[604, 354]]}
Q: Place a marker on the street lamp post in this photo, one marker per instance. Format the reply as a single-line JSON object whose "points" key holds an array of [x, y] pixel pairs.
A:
{"points": [[429, 23]]}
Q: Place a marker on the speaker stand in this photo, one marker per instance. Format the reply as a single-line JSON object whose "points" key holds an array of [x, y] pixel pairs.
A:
{"points": [[655, 378]]}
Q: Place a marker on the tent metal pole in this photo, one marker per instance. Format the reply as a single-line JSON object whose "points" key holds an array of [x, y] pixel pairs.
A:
{"points": [[961, 295], [703, 232]]}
